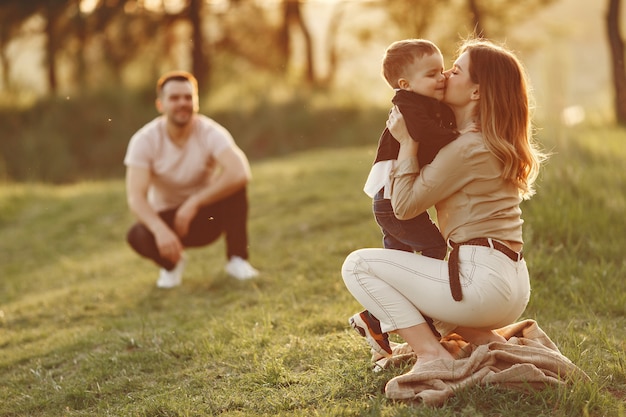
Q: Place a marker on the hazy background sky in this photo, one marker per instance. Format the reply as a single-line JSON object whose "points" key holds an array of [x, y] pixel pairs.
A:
{"points": [[564, 47]]}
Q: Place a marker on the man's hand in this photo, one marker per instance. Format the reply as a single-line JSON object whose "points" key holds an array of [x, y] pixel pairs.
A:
{"points": [[184, 216], [169, 244], [137, 183]]}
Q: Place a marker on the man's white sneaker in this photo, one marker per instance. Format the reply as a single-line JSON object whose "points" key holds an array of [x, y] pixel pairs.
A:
{"points": [[173, 278], [241, 269]]}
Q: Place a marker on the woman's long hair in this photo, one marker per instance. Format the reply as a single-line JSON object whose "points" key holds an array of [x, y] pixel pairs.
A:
{"points": [[504, 111]]}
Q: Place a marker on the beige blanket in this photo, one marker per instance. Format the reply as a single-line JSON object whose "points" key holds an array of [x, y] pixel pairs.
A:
{"points": [[529, 360]]}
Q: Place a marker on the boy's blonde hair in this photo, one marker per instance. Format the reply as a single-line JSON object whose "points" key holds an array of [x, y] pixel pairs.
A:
{"points": [[400, 54]]}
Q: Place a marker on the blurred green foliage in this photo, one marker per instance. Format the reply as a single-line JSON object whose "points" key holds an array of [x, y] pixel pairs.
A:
{"points": [[65, 139], [61, 140]]}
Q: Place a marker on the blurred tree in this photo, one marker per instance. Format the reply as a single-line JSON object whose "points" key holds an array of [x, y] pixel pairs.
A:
{"points": [[475, 14], [487, 18], [55, 13], [414, 18], [200, 59], [192, 14], [78, 21], [616, 45], [63, 22], [142, 36], [126, 33], [292, 17], [53, 10], [245, 33], [12, 16], [493, 18], [331, 44], [101, 31]]}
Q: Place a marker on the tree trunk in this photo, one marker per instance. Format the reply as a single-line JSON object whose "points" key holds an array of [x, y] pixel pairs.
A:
{"points": [[292, 14], [199, 62], [5, 64], [331, 44], [283, 38], [479, 31], [616, 45], [81, 34], [51, 48]]}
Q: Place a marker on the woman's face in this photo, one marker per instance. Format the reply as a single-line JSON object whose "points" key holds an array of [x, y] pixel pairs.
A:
{"points": [[460, 90]]}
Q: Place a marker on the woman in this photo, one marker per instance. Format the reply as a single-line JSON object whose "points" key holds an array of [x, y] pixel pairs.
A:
{"points": [[476, 184]]}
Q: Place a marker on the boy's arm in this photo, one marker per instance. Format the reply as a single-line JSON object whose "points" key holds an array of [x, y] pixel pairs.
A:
{"points": [[420, 122], [424, 128]]}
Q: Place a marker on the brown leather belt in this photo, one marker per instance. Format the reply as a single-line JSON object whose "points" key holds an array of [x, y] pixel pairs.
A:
{"points": [[453, 260]]}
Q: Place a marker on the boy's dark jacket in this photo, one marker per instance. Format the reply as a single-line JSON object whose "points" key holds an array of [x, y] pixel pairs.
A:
{"points": [[428, 121]]}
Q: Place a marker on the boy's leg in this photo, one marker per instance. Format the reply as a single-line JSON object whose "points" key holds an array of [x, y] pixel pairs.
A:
{"points": [[368, 327], [418, 234], [390, 241], [387, 221], [422, 235]]}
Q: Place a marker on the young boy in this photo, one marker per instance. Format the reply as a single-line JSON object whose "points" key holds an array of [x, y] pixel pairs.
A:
{"points": [[414, 69]]}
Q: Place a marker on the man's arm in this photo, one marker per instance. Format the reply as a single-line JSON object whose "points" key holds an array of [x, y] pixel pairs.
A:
{"points": [[137, 183], [233, 174]]}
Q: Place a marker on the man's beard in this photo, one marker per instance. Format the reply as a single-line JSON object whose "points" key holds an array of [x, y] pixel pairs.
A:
{"points": [[182, 118]]}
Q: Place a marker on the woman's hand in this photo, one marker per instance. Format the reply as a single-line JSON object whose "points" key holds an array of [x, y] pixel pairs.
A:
{"points": [[397, 126]]}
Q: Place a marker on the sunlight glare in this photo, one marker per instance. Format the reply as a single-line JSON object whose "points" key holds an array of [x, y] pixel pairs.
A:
{"points": [[573, 115], [171, 6], [87, 6]]}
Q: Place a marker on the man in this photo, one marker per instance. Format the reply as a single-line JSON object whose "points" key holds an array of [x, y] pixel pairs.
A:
{"points": [[186, 184]]}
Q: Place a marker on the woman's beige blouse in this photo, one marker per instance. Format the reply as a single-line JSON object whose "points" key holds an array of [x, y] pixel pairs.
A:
{"points": [[463, 183]]}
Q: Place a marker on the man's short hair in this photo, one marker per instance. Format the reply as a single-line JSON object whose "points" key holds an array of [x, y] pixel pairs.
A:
{"points": [[176, 76]]}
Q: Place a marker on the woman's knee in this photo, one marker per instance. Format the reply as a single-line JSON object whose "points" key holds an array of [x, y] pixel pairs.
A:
{"points": [[351, 266], [355, 266]]}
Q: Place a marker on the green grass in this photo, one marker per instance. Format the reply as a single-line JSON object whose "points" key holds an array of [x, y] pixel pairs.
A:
{"points": [[84, 331]]}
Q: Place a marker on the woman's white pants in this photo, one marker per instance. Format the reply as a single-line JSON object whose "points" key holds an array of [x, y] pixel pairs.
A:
{"points": [[399, 288]]}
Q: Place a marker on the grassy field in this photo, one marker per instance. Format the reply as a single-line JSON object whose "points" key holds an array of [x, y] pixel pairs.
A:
{"points": [[85, 332]]}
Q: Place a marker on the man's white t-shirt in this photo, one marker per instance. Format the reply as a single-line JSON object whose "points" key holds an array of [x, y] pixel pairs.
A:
{"points": [[177, 172]]}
